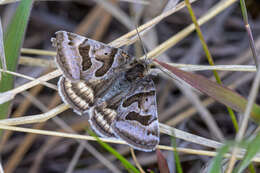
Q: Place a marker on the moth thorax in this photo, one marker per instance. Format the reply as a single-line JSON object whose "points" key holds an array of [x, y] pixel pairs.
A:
{"points": [[135, 73]]}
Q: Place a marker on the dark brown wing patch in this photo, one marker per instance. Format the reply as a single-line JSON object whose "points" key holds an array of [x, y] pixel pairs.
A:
{"points": [[106, 56], [84, 49]]}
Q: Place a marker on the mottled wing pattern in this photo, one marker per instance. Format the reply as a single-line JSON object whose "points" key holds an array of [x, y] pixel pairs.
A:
{"points": [[105, 111], [137, 120], [82, 58]]}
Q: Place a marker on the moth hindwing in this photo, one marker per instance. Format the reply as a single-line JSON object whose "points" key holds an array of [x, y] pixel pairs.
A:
{"points": [[111, 87]]}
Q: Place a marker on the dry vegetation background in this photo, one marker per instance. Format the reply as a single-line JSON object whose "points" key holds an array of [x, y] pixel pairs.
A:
{"points": [[227, 41]]}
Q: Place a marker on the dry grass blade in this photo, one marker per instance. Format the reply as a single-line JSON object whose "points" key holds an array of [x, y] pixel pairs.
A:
{"points": [[187, 67], [117, 13], [49, 85], [8, 95], [19, 112], [242, 129], [206, 116], [145, 2], [216, 9], [75, 159], [36, 118], [191, 67], [138, 165], [29, 61], [163, 128], [91, 149], [126, 39], [188, 136], [241, 59], [117, 141], [38, 52]]}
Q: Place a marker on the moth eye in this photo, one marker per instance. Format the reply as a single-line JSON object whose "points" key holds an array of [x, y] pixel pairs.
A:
{"points": [[146, 99], [70, 43], [105, 53]]}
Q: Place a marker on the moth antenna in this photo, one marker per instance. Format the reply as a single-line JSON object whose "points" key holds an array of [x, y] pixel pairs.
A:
{"points": [[145, 52]]}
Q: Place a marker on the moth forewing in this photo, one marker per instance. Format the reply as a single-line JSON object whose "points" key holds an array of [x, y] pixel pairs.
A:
{"points": [[79, 57], [68, 58]]}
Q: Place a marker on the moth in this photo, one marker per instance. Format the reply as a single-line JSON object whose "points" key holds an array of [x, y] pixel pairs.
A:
{"points": [[111, 87]]}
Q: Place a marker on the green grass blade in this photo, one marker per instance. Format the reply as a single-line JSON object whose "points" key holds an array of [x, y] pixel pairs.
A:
{"points": [[176, 156], [13, 39], [252, 149], [209, 57], [125, 162], [216, 163]]}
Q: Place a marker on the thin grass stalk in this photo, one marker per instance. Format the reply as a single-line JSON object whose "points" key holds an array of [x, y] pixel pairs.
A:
{"points": [[187, 67], [242, 129], [249, 32], [75, 159], [49, 85], [253, 91], [138, 165], [84, 137], [209, 57], [129, 167]]}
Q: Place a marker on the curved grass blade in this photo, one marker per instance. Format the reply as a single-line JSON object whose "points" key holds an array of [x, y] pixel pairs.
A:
{"points": [[218, 92], [13, 39], [125, 162], [252, 149], [217, 161]]}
